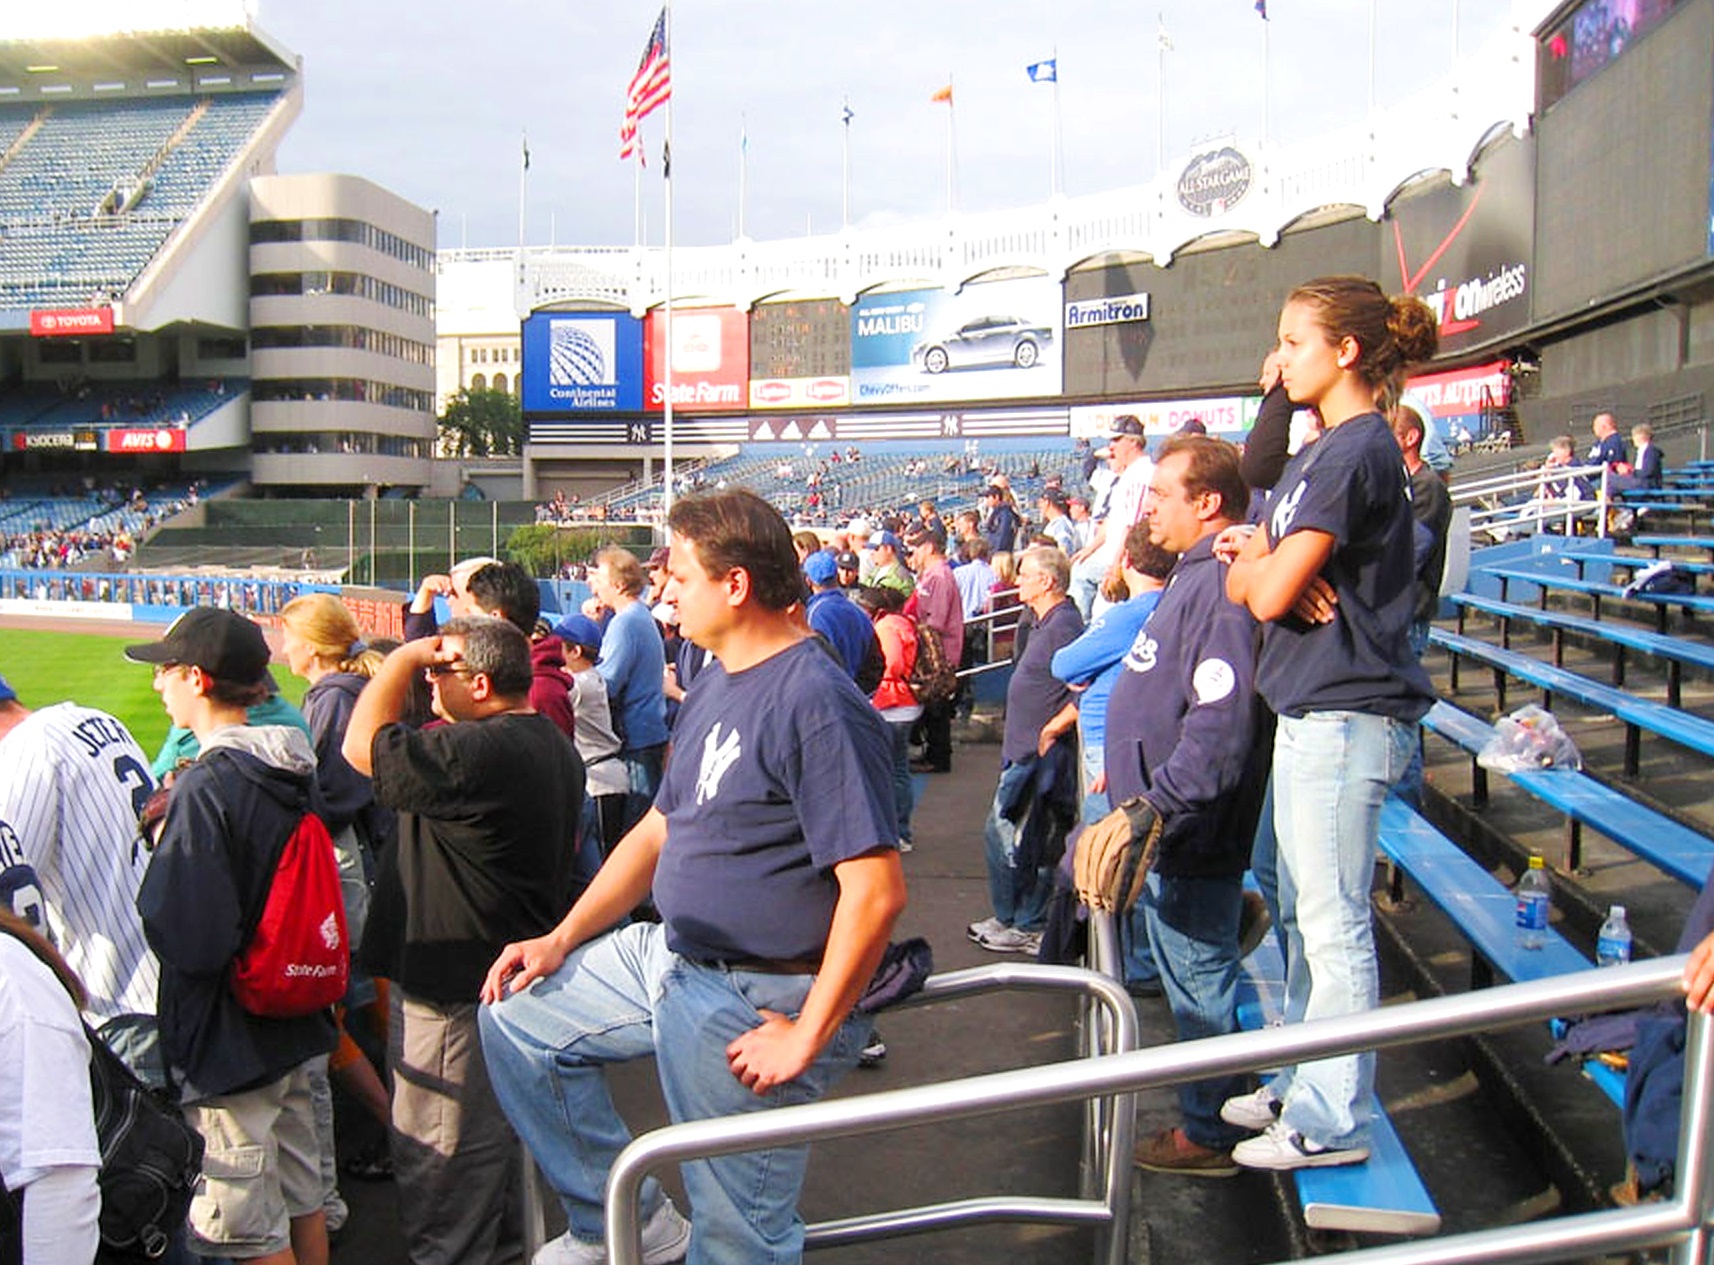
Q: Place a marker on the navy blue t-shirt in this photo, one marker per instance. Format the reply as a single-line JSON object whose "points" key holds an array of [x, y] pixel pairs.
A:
{"points": [[1035, 695], [778, 773], [1351, 484]]}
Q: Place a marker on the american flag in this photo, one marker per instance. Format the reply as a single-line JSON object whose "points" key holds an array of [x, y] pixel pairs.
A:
{"points": [[650, 87]]}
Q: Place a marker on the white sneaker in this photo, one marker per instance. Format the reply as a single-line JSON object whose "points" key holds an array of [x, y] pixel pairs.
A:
{"points": [[666, 1238], [1011, 940], [1283, 1147], [1252, 1111], [987, 927]]}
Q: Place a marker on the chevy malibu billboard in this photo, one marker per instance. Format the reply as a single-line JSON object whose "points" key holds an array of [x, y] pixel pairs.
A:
{"points": [[988, 341], [583, 362]]}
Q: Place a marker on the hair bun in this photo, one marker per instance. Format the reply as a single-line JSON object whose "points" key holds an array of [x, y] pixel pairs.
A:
{"points": [[1414, 329]]}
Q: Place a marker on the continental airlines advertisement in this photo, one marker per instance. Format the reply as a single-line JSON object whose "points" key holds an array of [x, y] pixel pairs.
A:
{"points": [[988, 341], [583, 362]]}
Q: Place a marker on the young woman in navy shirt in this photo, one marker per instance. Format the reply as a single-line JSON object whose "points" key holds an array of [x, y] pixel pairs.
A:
{"points": [[1331, 575]]}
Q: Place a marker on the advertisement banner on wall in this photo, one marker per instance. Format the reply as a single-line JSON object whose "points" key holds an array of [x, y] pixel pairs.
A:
{"points": [[583, 362], [164, 439], [1466, 250], [710, 350], [828, 392], [70, 322], [994, 340], [1226, 416], [1464, 400]]}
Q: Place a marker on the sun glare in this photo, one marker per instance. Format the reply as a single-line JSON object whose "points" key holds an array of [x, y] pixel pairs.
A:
{"points": [[81, 19]]}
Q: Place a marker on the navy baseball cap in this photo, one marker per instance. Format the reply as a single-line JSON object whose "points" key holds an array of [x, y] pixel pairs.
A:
{"points": [[1127, 427], [848, 561], [885, 538], [579, 630], [221, 642], [820, 567]]}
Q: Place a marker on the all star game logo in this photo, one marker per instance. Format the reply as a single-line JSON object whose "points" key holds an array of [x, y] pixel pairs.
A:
{"points": [[1215, 182]]}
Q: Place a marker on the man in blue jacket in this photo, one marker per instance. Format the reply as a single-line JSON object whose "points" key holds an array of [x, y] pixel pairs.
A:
{"points": [[833, 615], [1187, 754]]}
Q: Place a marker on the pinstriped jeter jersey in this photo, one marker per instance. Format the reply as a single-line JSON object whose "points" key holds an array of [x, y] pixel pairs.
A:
{"points": [[72, 783]]}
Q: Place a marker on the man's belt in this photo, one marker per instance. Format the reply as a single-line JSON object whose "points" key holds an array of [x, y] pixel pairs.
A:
{"points": [[767, 966]]}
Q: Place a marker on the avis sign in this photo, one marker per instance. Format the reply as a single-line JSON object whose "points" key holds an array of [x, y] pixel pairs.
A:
{"points": [[71, 322], [165, 439]]}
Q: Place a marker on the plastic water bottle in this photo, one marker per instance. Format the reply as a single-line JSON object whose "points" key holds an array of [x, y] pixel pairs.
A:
{"points": [[1534, 896], [1613, 945]]}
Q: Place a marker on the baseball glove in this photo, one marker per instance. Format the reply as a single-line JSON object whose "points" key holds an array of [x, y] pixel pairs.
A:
{"points": [[1115, 854]]}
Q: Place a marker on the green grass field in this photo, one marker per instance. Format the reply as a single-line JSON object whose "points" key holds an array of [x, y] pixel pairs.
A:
{"points": [[54, 667]]}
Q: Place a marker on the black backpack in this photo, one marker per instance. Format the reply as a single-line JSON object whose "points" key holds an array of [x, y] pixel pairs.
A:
{"points": [[873, 667], [151, 1161]]}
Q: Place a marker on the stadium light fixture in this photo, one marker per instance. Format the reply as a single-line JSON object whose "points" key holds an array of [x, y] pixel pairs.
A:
{"points": [[41, 70], [202, 61]]}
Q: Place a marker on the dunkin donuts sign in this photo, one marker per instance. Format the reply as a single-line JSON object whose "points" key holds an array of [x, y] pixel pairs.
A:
{"points": [[71, 322]]}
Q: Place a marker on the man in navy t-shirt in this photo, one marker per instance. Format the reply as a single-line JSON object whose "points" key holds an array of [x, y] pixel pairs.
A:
{"points": [[772, 853]]}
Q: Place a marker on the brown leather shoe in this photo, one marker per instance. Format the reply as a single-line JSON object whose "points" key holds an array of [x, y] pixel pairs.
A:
{"points": [[1169, 1151]]}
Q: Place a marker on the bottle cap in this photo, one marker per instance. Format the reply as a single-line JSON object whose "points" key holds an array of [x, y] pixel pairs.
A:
{"points": [[1617, 911], [1536, 862]]}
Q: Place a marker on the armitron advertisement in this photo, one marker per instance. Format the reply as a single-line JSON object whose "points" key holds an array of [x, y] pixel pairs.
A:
{"points": [[165, 439], [583, 362], [988, 341], [800, 355], [1466, 251], [710, 360]]}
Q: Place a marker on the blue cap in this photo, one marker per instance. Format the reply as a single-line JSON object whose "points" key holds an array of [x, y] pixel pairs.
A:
{"points": [[820, 568], [7, 693], [579, 630]]}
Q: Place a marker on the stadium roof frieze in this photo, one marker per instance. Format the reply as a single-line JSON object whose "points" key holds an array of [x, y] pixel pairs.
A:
{"points": [[1225, 191]]}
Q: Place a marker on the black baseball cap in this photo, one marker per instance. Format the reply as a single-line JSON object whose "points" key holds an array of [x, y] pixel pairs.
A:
{"points": [[222, 643], [1127, 426]]}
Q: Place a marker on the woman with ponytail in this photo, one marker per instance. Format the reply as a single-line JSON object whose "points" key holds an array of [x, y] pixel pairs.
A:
{"points": [[323, 645], [1331, 574], [49, 1156]]}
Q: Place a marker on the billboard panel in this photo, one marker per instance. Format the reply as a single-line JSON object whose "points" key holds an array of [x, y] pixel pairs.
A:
{"points": [[710, 359], [1464, 400], [800, 354], [1226, 417], [583, 362], [1467, 251], [991, 340], [70, 322], [164, 439]]}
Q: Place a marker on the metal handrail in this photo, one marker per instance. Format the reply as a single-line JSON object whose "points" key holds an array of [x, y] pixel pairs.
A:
{"points": [[1681, 1222], [1540, 509]]}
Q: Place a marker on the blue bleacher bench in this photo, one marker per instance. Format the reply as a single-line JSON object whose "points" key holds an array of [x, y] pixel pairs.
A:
{"points": [[1674, 651], [1382, 1195], [1670, 846], [1548, 581], [1636, 713], [1658, 543]]}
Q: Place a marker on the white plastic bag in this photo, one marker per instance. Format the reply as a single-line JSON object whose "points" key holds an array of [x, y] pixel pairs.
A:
{"points": [[1530, 738]]}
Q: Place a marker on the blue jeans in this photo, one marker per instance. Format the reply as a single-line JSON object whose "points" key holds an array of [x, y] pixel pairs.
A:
{"points": [[625, 996], [1193, 927], [904, 787], [1265, 865], [1332, 772], [643, 766], [1409, 787], [1019, 896]]}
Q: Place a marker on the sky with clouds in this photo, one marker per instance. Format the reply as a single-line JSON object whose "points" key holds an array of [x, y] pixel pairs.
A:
{"points": [[433, 99]]}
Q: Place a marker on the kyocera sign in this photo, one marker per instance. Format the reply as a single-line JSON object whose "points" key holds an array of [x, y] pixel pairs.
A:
{"points": [[68, 322], [136, 441]]}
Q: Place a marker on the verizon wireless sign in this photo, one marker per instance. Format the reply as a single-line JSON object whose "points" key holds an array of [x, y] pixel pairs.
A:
{"points": [[165, 439], [70, 322]]}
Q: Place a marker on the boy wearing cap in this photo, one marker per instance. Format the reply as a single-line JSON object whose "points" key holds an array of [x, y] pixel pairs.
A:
{"points": [[244, 1081], [597, 742], [889, 571]]}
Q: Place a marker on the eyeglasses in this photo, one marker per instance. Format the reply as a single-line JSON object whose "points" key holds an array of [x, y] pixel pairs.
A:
{"points": [[443, 669]]}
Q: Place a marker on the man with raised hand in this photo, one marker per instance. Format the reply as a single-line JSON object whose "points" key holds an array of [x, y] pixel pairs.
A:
{"points": [[772, 853]]}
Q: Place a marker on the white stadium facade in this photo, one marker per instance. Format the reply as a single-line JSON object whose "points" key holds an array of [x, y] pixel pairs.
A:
{"points": [[172, 305]]}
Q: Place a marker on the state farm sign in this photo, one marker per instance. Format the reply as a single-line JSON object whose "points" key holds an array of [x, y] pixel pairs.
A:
{"points": [[165, 439], [68, 322], [710, 360]]}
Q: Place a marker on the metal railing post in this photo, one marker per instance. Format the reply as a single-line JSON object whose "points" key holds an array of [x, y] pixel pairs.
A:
{"points": [[1693, 1178]]}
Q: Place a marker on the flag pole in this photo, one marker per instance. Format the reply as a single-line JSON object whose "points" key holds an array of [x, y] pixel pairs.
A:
{"points": [[667, 404], [637, 194], [845, 164], [1266, 66], [1162, 43], [1053, 160], [523, 189], [951, 148], [743, 168]]}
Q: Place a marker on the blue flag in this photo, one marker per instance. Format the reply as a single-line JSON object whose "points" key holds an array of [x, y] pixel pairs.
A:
{"points": [[1043, 71]]}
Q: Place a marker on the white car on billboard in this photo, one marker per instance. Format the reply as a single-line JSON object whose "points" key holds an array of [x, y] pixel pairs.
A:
{"points": [[985, 341]]}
